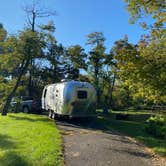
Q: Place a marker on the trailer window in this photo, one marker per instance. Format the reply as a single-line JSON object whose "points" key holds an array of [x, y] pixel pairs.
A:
{"points": [[81, 94]]}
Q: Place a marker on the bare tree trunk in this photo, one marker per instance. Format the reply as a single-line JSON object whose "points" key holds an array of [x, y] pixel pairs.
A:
{"points": [[31, 60], [97, 85], [112, 88], [24, 66]]}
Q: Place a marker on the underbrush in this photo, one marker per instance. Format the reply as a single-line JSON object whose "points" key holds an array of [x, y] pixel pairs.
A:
{"points": [[156, 126]]}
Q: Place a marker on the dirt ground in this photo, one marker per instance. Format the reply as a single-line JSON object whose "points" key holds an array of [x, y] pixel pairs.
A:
{"points": [[86, 143]]}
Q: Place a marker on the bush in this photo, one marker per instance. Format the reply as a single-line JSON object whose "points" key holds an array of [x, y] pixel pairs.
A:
{"points": [[156, 125]]}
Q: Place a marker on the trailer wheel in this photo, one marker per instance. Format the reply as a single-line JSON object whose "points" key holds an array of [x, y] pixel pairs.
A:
{"points": [[50, 114], [53, 115], [25, 109]]}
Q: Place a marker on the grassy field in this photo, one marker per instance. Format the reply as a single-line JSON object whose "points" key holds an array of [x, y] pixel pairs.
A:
{"points": [[27, 140], [134, 127]]}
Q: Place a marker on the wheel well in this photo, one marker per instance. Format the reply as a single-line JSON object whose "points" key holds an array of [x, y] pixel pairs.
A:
{"points": [[25, 106]]}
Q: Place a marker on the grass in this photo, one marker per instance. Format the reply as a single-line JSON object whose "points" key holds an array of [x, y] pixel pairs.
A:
{"points": [[134, 128], [29, 140]]}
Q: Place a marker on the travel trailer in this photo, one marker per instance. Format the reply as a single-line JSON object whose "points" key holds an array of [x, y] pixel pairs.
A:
{"points": [[69, 98]]}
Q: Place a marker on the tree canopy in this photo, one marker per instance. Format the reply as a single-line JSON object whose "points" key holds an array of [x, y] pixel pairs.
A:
{"points": [[130, 74]]}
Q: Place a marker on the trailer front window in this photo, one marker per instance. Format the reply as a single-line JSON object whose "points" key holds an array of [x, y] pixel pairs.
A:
{"points": [[81, 94]]}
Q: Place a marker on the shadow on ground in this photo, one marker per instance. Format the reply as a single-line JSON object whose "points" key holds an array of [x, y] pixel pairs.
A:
{"points": [[132, 152], [84, 123], [8, 154], [109, 143], [13, 159], [5, 142], [28, 118]]}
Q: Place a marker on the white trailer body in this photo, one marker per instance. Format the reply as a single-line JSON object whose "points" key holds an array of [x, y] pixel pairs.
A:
{"points": [[71, 98]]}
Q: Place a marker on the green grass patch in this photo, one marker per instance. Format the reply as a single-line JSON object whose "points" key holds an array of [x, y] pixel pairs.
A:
{"points": [[29, 140], [135, 129]]}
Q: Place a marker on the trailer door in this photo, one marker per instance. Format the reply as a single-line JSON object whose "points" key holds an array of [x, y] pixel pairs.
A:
{"points": [[44, 98]]}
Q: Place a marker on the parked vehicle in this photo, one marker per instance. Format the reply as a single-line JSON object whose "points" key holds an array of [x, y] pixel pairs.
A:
{"points": [[69, 98], [26, 104]]}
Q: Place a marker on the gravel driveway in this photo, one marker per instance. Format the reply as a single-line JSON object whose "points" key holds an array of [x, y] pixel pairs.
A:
{"points": [[86, 143]]}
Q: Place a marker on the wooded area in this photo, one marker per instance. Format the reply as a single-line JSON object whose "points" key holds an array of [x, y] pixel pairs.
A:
{"points": [[129, 75]]}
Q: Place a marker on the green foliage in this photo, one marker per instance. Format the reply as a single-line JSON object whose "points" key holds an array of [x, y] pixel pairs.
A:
{"points": [[95, 38], [77, 57], [149, 65], [142, 68], [156, 125], [96, 59], [3, 33], [128, 75], [97, 54], [121, 97], [155, 8]]}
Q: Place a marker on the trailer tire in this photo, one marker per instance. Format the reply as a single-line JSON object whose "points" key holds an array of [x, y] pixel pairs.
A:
{"points": [[53, 115], [25, 109], [50, 114]]}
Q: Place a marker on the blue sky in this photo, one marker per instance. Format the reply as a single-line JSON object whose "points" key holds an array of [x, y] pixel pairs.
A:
{"points": [[76, 19]]}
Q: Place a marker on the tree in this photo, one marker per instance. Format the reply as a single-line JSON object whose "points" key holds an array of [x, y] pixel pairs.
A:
{"points": [[54, 55], [141, 68], [140, 9], [3, 34], [28, 46], [126, 56], [34, 12], [151, 58], [9, 63], [96, 58], [3, 71], [77, 58], [110, 76]]}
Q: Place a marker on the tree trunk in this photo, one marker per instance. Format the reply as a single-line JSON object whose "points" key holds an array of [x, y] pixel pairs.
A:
{"points": [[31, 60], [24, 66], [112, 88], [30, 78], [97, 85]]}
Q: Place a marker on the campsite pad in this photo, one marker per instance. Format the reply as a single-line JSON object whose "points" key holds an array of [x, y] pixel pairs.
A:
{"points": [[88, 143]]}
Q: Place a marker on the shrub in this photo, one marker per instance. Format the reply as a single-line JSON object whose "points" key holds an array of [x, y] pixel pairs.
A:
{"points": [[156, 125]]}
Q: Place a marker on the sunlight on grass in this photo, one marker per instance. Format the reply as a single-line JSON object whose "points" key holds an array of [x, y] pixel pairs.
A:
{"points": [[29, 140]]}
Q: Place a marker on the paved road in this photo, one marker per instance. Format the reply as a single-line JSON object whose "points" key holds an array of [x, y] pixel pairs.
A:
{"points": [[87, 143]]}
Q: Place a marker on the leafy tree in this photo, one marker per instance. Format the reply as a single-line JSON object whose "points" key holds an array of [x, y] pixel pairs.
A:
{"points": [[77, 58], [28, 46], [151, 59], [54, 55], [9, 63], [96, 58], [34, 12], [141, 68], [3, 34], [140, 9], [107, 80]]}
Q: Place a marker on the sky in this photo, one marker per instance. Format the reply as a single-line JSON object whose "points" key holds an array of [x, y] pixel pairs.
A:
{"points": [[75, 19]]}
